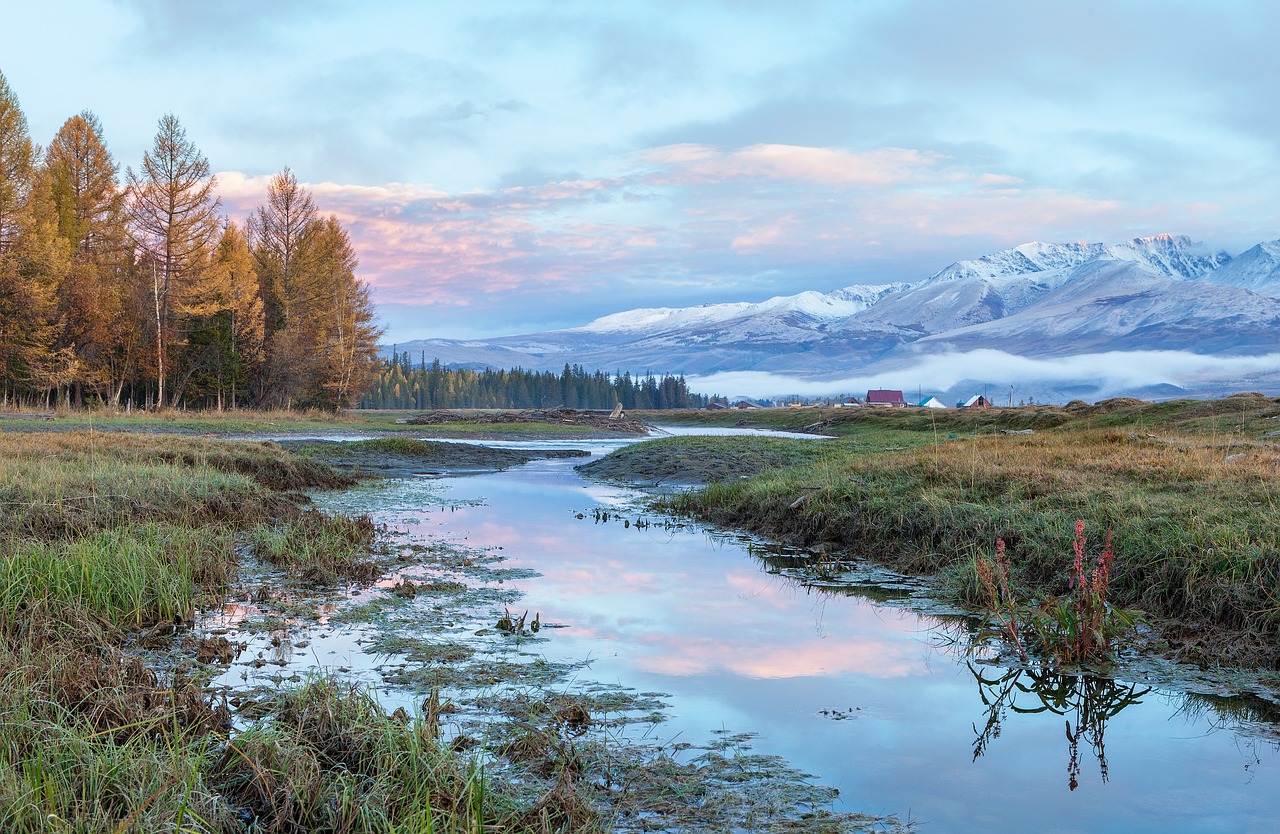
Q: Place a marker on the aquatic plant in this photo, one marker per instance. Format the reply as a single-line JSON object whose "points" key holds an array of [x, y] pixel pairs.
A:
{"points": [[1078, 627]]}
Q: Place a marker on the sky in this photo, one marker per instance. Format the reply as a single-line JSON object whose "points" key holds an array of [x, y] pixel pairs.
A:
{"points": [[511, 167]]}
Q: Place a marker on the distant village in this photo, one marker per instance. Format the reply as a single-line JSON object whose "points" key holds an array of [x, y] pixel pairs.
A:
{"points": [[875, 398]]}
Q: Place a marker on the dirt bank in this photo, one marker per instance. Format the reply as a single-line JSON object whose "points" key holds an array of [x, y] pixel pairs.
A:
{"points": [[697, 461], [396, 456]]}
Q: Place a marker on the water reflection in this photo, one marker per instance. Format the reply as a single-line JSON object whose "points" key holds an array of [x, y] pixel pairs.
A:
{"points": [[868, 697], [1087, 702]]}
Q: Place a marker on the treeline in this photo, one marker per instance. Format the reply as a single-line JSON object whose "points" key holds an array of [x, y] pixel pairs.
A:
{"points": [[142, 292], [399, 383]]}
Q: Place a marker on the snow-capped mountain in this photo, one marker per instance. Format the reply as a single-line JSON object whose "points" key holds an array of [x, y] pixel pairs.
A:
{"points": [[1163, 293], [1257, 269], [811, 305]]}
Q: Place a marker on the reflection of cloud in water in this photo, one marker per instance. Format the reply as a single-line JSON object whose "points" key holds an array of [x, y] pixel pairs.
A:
{"points": [[684, 655]]}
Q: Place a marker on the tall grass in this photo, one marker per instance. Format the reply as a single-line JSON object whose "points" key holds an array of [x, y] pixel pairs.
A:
{"points": [[317, 546], [61, 484], [130, 575], [332, 760]]}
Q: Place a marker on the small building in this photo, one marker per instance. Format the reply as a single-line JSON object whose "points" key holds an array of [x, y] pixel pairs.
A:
{"points": [[976, 401], [886, 398], [931, 402], [714, 406], [745, 405]]}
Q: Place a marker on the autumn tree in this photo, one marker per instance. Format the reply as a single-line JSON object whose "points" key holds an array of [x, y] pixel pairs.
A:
{"points": [[349, 335], [17, 162], [226, 332], [280, 231], [174, 221], [25, 270], [89, 205], [33, 266]]}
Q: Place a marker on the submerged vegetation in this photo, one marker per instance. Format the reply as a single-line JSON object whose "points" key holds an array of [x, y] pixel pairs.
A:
{"points": [[1187, 490]]}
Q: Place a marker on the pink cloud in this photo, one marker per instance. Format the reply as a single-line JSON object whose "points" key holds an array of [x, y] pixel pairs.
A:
{"points": [[693, 216]]}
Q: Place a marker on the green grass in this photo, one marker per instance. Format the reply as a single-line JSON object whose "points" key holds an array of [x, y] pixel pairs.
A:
{"points": [[317, 547], [59, 484], [332, 760], [131, 575]]}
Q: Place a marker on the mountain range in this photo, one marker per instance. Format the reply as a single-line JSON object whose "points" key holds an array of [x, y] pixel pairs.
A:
{"points": [[1200, 323]]}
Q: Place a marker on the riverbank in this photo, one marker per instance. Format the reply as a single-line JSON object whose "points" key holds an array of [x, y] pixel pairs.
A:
{"points": [[1185, 490], [401, 456]]}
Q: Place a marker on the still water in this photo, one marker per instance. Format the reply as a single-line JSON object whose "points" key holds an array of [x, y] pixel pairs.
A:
{"points": [[872, 699]]}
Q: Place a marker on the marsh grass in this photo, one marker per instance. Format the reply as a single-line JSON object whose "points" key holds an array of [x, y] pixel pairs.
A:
{"points": [[317, 546], [94, 740], [132, 575], [1193, 515], [61, 484], [331, 759]]}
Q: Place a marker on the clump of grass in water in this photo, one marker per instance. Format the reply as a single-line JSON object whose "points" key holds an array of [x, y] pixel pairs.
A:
{"points": [[1077, 628], [319, 546], [331, 759]]}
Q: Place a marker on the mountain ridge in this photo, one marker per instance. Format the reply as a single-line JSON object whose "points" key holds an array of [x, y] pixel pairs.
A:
{"points": [[1159, 293]]}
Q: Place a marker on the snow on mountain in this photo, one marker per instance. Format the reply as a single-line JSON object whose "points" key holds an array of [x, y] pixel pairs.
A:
{"points": [[1174, 255], [818, 306], [1257, 270], [1126, 305]]}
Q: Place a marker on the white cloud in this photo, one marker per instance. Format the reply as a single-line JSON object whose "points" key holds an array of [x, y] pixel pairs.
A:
{"points": [[1112, 372]]}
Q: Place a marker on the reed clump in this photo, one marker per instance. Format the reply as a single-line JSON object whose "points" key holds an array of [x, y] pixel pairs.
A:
{"points": [[332, 759], [1080, 627], [317, 546]]}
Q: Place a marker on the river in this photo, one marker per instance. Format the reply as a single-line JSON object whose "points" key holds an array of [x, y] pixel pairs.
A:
{"points": [[874, 699]]}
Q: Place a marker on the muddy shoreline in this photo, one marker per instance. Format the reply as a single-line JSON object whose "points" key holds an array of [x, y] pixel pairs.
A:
{"points": [[401, 457]]}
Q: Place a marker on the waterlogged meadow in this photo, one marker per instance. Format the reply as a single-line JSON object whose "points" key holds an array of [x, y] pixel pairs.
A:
{"points": [[189, 644], [137, 572], [111, 544]]}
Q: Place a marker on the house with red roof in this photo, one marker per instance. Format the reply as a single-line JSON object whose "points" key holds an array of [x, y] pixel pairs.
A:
{"points": [[886, 398]]}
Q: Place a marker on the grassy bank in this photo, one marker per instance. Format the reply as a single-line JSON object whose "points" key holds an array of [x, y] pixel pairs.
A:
{"points": [[474, 423], [1187, 491]]}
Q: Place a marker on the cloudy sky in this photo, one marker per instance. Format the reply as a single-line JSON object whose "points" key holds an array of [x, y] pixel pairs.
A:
{"points": [[515, 166]]}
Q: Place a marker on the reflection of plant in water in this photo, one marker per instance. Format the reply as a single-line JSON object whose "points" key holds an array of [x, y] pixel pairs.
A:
{"points": [[1087, 702]]}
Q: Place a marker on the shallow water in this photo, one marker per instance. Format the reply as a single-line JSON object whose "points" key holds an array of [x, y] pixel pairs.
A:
{"points": [[869, 698]]}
